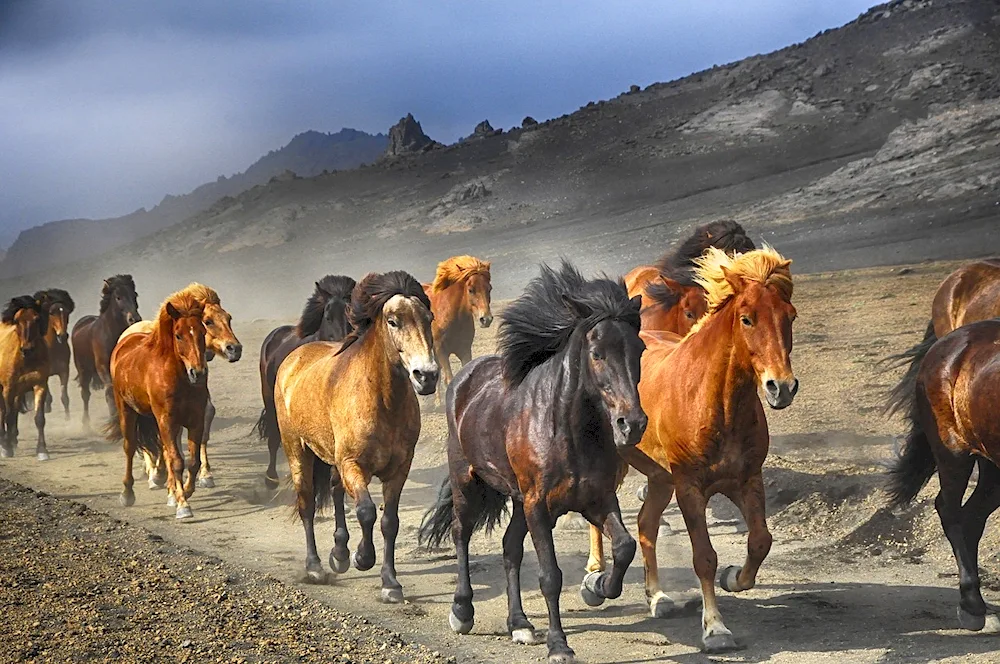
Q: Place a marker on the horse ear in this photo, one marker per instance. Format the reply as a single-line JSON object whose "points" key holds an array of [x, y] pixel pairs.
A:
{"points": [[672, 286], [575, 307], [636, 301], [172, 311], [785, 264], [734, 280]]}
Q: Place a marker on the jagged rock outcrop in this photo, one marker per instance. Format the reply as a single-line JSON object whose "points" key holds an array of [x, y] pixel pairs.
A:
{"points": [[528, 122], [484, 130], [408, 137]]}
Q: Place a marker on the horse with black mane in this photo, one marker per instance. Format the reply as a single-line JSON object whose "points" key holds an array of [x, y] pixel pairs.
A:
{"points": [[59, 305], [541, 424], [94, 337], [24, 367], [324, 318]]}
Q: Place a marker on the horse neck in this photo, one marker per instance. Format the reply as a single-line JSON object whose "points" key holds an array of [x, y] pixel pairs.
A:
{"points": [[163, 337], [579, 405], [727, 376], [113, 319]]}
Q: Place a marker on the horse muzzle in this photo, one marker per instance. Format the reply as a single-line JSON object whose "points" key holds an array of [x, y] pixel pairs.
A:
{"points": [[780, 393], [195, 375], [425, 380], [234, 352], [62, 338], [131, 318], [628, 430], [485, 321]]}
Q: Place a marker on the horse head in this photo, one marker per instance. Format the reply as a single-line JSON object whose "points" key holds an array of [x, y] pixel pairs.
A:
{"points": [[30, 318], [188, 340], [219, 336], [477, 293]]}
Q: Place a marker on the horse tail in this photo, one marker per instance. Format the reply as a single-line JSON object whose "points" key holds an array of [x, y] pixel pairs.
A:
{"points": [[900, 397], [914, 466], [490, 506], [267, 425], [321, 484], [112, 430], [147, 434]]}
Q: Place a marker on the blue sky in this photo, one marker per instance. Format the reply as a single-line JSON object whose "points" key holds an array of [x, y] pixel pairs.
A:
{"points": [[105, 106]]}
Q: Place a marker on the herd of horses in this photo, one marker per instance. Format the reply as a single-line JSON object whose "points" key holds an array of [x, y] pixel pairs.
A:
{"points": [[661, 371]]}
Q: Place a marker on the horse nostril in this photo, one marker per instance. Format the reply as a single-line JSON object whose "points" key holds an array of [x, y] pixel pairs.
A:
{"points": [[795, 386], [623, 425], [771, 387]]}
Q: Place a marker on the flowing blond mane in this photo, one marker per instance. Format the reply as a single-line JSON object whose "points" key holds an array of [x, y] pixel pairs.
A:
{"points": [[764, 266], [457, 269], [200, 292]]}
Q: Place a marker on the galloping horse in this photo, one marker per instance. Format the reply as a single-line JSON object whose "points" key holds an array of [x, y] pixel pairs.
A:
{"points": [[347, 412], [159, 384], [24, 367], [219, 340], [969, 294], [707, 432], [951, 411], [94, 337], [59, 306], [460, 299], [323, 319], [540, 423], [672, 301]]}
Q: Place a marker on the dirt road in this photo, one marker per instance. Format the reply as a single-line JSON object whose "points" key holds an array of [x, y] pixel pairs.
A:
{"points": [[845, 582]]}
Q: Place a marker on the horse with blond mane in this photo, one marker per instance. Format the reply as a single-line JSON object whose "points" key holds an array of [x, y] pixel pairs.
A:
{"points": [[59, 306], [24, 367], [460, 299], [159, 384], [219, 340], [707, 431], [347, 412]]}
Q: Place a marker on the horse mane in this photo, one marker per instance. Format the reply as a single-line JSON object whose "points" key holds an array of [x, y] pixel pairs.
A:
{"points": [[53, 296], [726, 234], [330, 287], [456, 269], [111, 284], [371, 294], [199, 292], [187, 305], [765, 266], [21, 302], [540, 322]]}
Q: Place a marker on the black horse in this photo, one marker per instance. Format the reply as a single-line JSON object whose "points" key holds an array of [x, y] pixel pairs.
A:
{"points": [[541, 423], [323, 319]]}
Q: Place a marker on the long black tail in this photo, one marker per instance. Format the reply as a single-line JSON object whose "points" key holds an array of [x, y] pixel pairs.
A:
{"points": [[147, 433], [437, 522], [267, 425], [914, 466], [900, 398], [322, 488]]}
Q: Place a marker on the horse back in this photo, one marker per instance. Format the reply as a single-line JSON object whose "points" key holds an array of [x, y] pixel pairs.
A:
{"points": [[969, 294]]}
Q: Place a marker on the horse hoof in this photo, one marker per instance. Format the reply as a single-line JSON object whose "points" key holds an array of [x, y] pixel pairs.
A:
{"points": [[663, 606], [316, 576], [127, 499], [460, 626], [969, 621], [525, 636], [564, 657], [6, 453], [729, 579], [184, 512], [719, 641], [642, 492], [43, 456], [171, 501], [340, 566], [362, 565], [588, 590], [154, 484], [271, 482], [391, 596], [206, 483]]}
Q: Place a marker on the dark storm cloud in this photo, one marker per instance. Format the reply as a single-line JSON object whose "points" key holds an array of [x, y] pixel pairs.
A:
{"points": [[106, 105]]}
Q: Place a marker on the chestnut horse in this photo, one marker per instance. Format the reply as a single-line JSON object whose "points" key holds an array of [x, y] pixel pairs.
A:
{"points": [[94, 337], [707, 431], [540, 423], [24, 367], [347, 413], [460, 299], [323, 319], [59, 306], [219, 340], [953, 426], [969, 294], [159, 384]]}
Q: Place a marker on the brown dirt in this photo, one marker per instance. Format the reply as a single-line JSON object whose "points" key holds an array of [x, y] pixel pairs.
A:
{"points": [[846, 581]]}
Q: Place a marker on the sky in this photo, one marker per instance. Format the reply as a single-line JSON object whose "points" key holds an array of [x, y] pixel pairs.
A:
{"points": [[106, 106]]}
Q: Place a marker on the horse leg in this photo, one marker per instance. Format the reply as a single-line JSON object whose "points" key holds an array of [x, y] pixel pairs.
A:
{"points": [[205, 478], [300, 462], [356, 483], [195, 435], [156, 470], [953, 474], [750, 501], [64, 384], [48, 398], [715, 636], [444, 364], [127, 420], [518, 626], [598, 586], [466, 504], [540, 525], [175, 466], [661, 490], [392, 591], [340, 555], [595, 562], [6, 406], [85, 380], [41, 393], [981, 504]]}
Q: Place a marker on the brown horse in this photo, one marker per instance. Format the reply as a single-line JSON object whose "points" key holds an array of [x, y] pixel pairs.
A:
{"points": [[24, 367], [707, 432], [460, 299], [953, 427], [540, 423], [347, 413], [219, 340], [323, 319], [59, 306], [94, 337], [969, 294], [159, 384]]}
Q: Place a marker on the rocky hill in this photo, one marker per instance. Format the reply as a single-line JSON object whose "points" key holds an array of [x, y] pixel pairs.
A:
{"points": [[874, 143], [307, 154]]}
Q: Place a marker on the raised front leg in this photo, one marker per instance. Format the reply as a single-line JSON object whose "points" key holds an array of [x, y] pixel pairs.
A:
{"points": [[392, 591], [599, 585], [750, 499], [540, 525], [41, 395], [205, 478], [356, 482]]}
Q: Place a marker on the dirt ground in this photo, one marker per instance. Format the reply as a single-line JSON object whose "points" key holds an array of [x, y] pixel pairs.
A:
{"points": [[846, 580]]}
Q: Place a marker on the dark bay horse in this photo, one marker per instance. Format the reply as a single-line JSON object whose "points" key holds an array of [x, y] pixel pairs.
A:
{"points": [[953, 426], [159, 384], [24, 367], [347, 412], [707, 431], [460, 300], [541, 423], [323, 319], [59, 306], [969, 294], [94, 337]]}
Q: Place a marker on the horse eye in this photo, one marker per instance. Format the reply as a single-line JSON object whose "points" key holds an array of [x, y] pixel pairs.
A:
{"points": [[393, 323], [597, 356], [209, 323], [177, 336], [746, 321], [689, 315]]}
